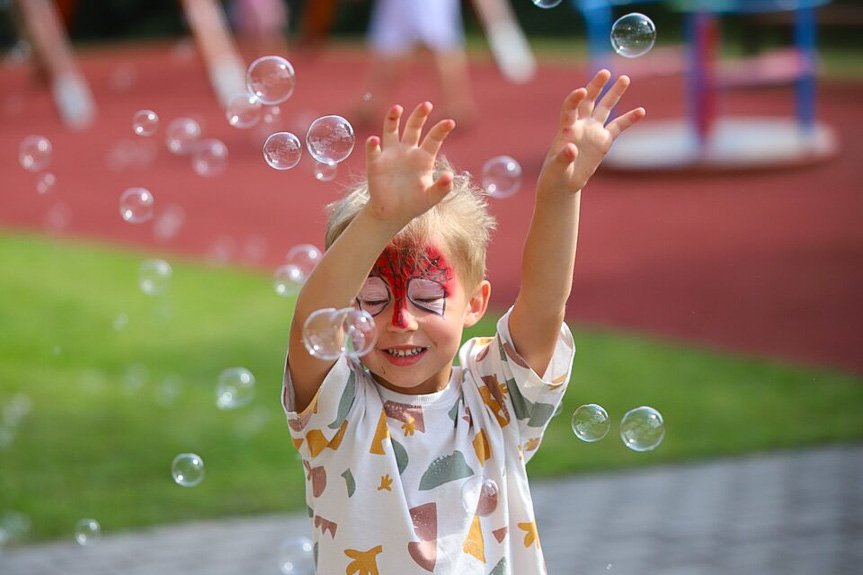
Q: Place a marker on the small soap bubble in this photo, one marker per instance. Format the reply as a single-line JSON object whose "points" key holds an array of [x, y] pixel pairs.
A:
{"points": [[34, 153], [501, 177], [57, 218], [244, 111], [282, 151], [590, 422], [330, 139], [120, 321], [124, 77], [323, 335], [46, 182], [136, 205], [479, 495], [168, 390], [145, 122], [633, 35], [271, 79], [359, 329], [296, 556], [287, 280], [16, 409], [272, 115], [642, 428], [546, 3], [187, 469], [181, 135], [305, 257], [154, 276], [14, 526], [169, 222], [236, 388], [87, 532], [210, 157], [325, 172]]}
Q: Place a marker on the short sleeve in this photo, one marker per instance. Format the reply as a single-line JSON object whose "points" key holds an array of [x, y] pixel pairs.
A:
{"points": [[512, 390], [322, 424]]}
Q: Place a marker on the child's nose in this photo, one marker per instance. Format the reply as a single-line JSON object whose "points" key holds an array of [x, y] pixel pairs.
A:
{"points": [[402, 318]]}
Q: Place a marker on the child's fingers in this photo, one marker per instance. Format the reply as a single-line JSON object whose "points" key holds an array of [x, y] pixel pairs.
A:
{"points": [[441, 187], [594, 88], [566, 155], [624, 122], [434, 139], [611, 98], [568, 114], [390, 134], [415, 123], [373, 148]]}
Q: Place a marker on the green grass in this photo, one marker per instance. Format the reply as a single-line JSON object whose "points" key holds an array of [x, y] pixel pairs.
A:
{"points": [[99, 439]]}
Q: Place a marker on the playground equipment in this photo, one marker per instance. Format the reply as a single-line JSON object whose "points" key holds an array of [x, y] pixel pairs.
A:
{"points": [[702, 140]]}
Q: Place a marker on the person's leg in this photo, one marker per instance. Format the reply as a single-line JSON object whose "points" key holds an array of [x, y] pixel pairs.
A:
{"points": [[455, 85]]}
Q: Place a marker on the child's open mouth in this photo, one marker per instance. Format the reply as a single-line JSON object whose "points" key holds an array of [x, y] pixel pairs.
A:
{"points": [[404, 355]]}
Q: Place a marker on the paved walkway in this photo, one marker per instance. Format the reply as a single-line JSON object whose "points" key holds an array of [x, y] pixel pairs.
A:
{"points": [[782, 513]]}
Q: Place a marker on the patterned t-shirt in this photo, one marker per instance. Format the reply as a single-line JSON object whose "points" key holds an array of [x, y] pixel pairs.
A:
{"points": [[399, 484]]}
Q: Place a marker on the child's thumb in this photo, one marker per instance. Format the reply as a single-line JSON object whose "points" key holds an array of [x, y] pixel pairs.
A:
{"points": [[442, 186], [567, 154]]}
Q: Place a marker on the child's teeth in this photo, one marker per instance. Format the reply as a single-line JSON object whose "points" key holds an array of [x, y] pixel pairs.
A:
{"points": [[405, 353]]}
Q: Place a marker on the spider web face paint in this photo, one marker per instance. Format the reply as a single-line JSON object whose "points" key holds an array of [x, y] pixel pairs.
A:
{"points": [[400, 276]]}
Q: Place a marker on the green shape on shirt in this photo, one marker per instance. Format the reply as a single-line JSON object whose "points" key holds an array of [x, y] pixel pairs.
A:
{"points": [[540, 414], [444, 469], [500, 568], [520, 405], [345, 402], [350, 483], [453, 413], [401, 455]]}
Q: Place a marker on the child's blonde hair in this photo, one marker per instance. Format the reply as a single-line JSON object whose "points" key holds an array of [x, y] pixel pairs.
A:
{"points": [[460, 222]]}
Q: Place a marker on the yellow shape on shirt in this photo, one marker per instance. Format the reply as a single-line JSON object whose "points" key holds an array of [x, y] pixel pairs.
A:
{"points": [[482, 447], [409, 426], [531, 535], [473, 543], [364, 562], [318, 441], [386, 483], [382, 432]]}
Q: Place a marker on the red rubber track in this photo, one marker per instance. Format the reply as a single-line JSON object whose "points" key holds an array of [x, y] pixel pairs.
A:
{"points": [[766, 264]]}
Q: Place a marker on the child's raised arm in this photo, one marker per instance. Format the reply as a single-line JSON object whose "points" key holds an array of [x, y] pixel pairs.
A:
{"points": [[582, 141], [401, 187]]}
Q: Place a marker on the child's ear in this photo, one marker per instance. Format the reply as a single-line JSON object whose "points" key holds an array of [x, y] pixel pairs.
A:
{"points": [[478, 303]]}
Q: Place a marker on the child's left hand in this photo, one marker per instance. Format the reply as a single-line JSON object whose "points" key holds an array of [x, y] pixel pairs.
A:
{"points": [[583, 139]]}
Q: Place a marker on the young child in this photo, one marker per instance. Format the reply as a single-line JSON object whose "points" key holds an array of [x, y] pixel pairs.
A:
{"points": [[414, 465]]}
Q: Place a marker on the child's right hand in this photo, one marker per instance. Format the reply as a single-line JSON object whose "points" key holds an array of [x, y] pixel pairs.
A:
{"points": [[400, 171]]}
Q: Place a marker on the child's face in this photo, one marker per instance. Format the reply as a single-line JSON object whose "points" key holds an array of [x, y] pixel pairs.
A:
{"points": [[420, 309]]}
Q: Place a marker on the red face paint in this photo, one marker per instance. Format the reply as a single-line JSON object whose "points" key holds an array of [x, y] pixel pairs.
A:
{"points": [[426, 280]]}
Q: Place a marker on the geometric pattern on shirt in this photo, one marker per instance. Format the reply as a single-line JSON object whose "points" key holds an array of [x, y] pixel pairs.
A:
{"points": [[531, 536], [401, 455], [326, 525], [350, 482], [493, 398], [346, 401], [444, 469], [501, 568], [482, 447], [424, 551], [382, 432], [473, 543], [409, 414], [318, 442], [317, 476], [364, 562]]}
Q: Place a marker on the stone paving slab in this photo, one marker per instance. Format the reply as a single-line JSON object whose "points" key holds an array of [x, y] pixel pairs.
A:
{"points": [[788, 513]]}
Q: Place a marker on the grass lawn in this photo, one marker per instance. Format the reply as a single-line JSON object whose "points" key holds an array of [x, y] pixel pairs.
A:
{"points": [[121, 382]]}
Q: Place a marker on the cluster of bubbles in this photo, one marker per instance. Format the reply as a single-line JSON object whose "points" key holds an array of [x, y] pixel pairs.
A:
{"points": [[34, 155], [329, 333], [236, 388], [329, 140], [641, 428], [154, 276], [299, 263], [270, 80], [501, 177], [296, 556], [87, 532]]}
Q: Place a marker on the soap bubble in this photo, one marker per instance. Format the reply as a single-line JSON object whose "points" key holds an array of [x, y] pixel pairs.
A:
{"points": [[187, 469], [34, 153], [282, 150], [181, 135], [46, 182], [633, 35], [210, 157], [136, 205], [642, 428], [271, 79], [244, 111], [14, 526], [546, 3], [501, 177], [145, 122], [590, 422], [287, 280], [305, 257], [296, 556], [330, 139], [236, 388], [154, 276], [87, 531], [359, 327], [480, 495], [323, 335], [325, 172]]}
